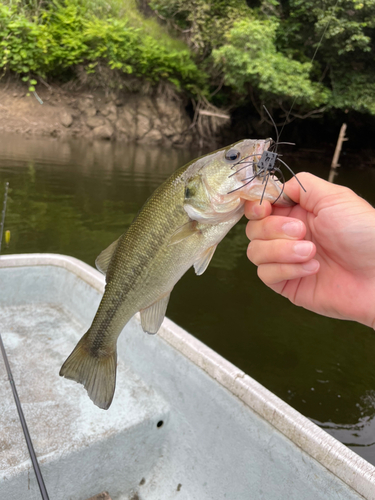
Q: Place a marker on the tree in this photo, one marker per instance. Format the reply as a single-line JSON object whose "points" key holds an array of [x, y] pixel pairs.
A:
{"points": [[280, 51]]}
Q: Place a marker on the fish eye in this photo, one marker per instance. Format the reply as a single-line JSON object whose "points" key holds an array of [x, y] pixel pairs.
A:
{"points": [[232, 155]]}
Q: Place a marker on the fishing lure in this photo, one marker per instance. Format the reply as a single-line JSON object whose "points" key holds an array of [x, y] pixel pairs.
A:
{"points": [[266, 165]]}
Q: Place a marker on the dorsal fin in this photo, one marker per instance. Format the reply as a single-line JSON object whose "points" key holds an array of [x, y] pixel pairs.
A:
{"points": [[104, 258]]}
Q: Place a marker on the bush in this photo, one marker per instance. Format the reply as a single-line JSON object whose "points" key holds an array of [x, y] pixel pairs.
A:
{"points": [[260, 50], [67, 34], [249, 58]]}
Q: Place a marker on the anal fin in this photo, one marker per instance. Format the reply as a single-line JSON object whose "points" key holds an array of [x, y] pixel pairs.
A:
{"points": [[104, 258], [202, 263], [153, 316]]}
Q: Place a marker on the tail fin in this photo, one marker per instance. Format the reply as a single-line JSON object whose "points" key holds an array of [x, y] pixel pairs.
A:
{"points": [[96, 373]]}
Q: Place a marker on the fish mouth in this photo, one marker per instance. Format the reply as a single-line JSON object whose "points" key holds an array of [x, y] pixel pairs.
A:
{"points": [[258, 176], [270, 189], [263, 187]]}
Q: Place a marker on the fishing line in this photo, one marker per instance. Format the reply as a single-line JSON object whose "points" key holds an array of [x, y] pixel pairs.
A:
{"points": [[312, 60], [34, 460], [268, 158]]}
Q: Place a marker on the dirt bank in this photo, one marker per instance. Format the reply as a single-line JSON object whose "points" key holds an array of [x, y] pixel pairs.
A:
{"points": [[58, 112]]}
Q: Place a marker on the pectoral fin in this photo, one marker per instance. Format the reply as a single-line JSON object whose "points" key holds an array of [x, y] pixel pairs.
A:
{"points": [[201, 265], [184, 232], [104, 258], [152, 317]]}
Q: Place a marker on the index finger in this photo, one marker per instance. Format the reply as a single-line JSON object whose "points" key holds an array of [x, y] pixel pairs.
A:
{"points": [[276, 227]]}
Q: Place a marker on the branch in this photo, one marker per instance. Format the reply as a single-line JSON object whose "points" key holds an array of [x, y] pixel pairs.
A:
{"points": [[216, 115], [174, 26], [303, 117], [44, 83], [218, 89]]}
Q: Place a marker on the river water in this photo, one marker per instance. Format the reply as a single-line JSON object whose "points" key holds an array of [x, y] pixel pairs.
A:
{"points": [[76, 197]]}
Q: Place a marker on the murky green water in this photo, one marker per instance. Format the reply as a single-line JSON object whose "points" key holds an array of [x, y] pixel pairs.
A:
{"points": [[75, 198]]}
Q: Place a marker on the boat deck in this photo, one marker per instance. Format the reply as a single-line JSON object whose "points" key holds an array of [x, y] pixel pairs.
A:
{"points": [[184, 423], [66, 428]]}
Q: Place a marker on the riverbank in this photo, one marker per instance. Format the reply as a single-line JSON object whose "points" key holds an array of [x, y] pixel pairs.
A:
{"points": [[59, 112], [212, 57], [160, 118]]}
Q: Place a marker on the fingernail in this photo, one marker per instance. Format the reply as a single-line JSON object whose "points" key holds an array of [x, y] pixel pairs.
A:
{"points": [[293, 228], [303, 248], [310, 266], [257, 211]]}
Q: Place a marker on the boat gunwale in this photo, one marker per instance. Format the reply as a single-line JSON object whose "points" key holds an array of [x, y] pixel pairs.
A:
{"points": [[352, 469]]}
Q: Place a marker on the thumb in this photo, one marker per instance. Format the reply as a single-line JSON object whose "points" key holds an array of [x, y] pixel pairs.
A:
{"points": [[315, 190]]}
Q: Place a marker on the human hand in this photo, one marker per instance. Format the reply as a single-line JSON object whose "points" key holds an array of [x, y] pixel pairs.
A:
{"points": [[320, 254]]}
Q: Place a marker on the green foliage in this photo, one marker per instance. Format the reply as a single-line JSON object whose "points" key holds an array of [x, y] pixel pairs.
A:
{"points": [[343, 33], [18, 41], [346, 24], [31, 83], [261, 50], [258, 50], [204, 22], [249, 58], [68, 34], [354, 90]]}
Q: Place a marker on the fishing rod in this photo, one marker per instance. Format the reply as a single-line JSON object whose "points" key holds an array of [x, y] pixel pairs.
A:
{"points": [[3, 213], [34, 460]]}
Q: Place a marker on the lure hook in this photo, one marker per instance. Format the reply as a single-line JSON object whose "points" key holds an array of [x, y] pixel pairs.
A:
{"points": [[266, 166]]}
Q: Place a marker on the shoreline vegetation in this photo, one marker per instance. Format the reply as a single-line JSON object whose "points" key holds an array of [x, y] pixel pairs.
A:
{"points": [[217, 62]]}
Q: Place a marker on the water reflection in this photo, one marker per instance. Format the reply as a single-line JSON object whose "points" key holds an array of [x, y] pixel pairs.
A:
{"points": [[76, 198], [360, 436]]}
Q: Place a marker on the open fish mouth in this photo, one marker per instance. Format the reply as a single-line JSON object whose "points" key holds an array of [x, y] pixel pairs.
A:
{"points": [[262, 178], [261, 186]]}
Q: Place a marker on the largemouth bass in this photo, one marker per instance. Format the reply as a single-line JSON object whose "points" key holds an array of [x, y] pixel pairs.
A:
{"points": [[179, 226]]}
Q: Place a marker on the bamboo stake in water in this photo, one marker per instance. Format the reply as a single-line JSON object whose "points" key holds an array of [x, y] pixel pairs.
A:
{"points": [[336, 156]]}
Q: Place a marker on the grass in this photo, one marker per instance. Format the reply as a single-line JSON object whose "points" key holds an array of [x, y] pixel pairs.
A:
{"points": [[119, 9]]}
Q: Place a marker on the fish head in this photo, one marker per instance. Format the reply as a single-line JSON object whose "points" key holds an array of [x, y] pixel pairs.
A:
{"points": [[217, 185]]}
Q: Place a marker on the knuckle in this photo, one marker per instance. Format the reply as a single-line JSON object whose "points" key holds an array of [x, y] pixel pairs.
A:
{"points": [[270, 228], [268, 231], [271, 274], [260, 273], [251, 229], [248, 230], [264, 274], [285, 271], [251, 253]]}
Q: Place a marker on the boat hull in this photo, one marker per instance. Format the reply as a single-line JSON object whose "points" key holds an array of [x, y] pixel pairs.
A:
{"points": [[185, 423]]}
